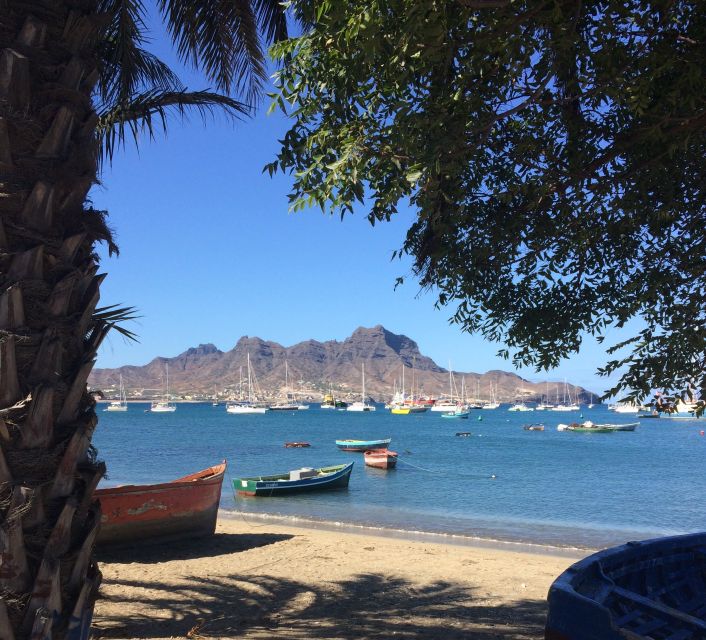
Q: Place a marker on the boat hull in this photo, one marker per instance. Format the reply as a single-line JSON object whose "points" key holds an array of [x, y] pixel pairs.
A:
{"points": [[111, 409], [245, 410], [380, 459], [184, 508], [649, 589], [336, 477], [362, 445]]}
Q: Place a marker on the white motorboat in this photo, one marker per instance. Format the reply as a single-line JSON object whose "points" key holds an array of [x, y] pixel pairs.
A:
{"points": [[244, 407], [626, 407], [521, 406]]}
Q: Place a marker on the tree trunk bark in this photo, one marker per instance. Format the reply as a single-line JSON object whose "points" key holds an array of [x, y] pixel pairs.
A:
{"points": [[48, 337]]}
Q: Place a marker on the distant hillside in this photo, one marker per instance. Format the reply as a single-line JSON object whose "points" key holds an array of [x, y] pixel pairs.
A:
{"points": [[315, 366]]}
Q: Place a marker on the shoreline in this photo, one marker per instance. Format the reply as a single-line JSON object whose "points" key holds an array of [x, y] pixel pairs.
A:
{"points": [[409, 535], [274, 581]]}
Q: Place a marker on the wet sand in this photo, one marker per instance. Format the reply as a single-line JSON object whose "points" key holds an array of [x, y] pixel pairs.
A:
{"points": [[261, 580]]}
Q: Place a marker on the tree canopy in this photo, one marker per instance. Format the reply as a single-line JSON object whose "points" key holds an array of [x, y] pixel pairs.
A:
{"points": [[553, 151]]}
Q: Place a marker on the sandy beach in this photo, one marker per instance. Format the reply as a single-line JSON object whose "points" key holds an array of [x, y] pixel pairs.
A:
{"points": [[257, 579]]}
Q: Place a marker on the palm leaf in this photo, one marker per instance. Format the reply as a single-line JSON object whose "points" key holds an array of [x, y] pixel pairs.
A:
{"points": [[221, 38], [113, 317], [127, 67], [145, 112], [272, 20]]}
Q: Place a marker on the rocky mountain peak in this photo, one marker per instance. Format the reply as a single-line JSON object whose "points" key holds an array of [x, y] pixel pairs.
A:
{"points": [[315, 366]]}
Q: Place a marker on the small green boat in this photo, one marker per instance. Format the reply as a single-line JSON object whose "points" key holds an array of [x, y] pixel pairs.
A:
{"points": [[297, 481], [590, 427]]}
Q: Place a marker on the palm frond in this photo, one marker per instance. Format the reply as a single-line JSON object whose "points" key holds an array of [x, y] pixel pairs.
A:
{"points": [[145, 112], [114, 316], [272, 19], [219, 37], [127, 67]]}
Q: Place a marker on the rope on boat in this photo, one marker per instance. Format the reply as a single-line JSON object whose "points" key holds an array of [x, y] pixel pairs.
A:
{"points": [[409, 464], [240, 511]]}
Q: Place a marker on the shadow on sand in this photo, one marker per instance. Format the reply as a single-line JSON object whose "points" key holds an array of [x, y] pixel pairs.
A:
{"points": [[258, 607], [218, 544]]}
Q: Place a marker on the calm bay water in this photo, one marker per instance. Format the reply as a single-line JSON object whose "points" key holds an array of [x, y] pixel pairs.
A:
{"points": [[555, 488]]}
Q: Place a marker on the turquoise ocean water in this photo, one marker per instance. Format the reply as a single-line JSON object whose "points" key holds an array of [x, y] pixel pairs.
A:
{"points": [[553, 488]]}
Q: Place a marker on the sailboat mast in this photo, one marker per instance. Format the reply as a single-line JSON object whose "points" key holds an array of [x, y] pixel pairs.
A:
{"points": [[249, 381], [363, 394]]}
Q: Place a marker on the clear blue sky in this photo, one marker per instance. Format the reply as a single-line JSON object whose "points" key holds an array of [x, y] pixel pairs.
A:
{"points": [[209, 252]]}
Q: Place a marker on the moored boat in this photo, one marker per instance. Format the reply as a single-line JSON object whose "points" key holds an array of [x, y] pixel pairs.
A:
{"points": [[362, 445], [296, 481], [405, 410], [456, 414], [380, 458], [653, 589], [521, 406], [534, 427], [184, 508], [121, 403], [163, 406], [591, 427], [296, 445]]}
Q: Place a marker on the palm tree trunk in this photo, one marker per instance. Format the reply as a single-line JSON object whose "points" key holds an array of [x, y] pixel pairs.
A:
{"points": [[49, 289]]}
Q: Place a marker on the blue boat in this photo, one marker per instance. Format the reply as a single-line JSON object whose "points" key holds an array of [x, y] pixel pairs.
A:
{"points": [[655, 589], [362, 445], [456, 414], [297, 481]]}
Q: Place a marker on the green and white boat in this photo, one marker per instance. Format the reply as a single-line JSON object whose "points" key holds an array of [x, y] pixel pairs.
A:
{"points": [[297, 481]]}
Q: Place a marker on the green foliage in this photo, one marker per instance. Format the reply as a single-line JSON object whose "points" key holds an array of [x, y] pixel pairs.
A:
{"points": [[553, 151]]}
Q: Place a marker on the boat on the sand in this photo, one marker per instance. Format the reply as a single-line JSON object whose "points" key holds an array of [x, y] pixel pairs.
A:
{"points": [[183, 508], [362, 445], [296, 481], [380, 458], [649, 590]]}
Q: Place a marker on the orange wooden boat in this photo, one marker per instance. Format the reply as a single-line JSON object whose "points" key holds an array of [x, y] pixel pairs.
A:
{"points": [[380, 458], [183, 508]]}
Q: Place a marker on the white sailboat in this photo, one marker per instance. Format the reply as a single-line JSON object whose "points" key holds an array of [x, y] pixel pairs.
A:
{"points": [[164, 406], [215, 402], [449, 404], [492, 402], [121, 403], [286, 405], [564, 406], [245, 406], [361, 405], [545, 405]]}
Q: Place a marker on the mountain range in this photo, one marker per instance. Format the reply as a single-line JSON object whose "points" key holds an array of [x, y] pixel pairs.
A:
{"points": [[314, 367]]}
